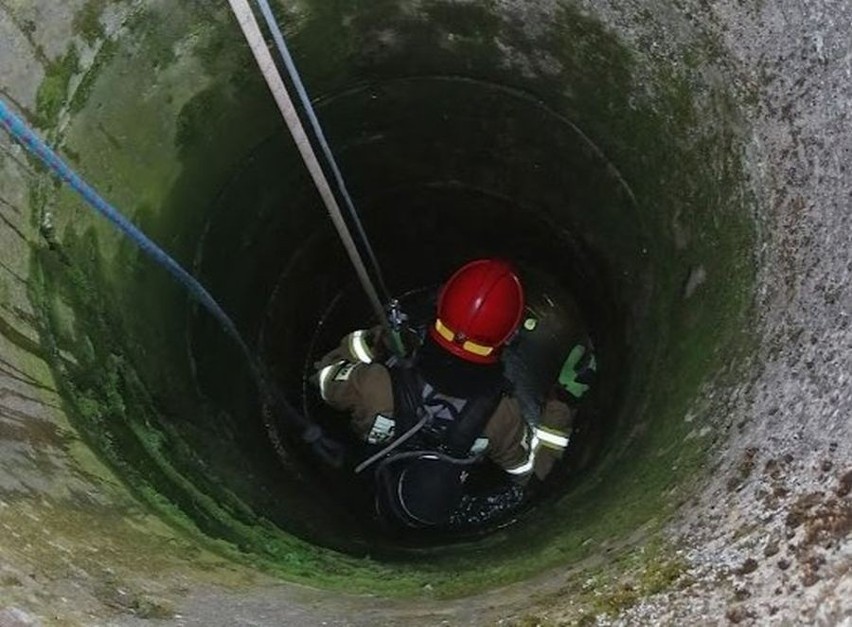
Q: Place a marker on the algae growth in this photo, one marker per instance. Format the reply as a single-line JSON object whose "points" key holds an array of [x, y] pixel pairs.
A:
{"points": [[121, 359], [53, 91]]}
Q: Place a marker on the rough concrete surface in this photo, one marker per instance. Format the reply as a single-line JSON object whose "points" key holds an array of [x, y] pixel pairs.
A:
{"points": [[768, 537], [765, 536]]}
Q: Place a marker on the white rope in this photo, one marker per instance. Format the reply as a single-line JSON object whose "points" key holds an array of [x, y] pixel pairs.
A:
{"points": [[316, 127], [251, 29]]}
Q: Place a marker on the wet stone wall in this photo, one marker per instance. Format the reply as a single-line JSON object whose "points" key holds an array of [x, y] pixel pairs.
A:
{"points": [[681, 168]]}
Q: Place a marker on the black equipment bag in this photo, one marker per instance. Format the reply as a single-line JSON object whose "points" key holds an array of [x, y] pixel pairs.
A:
{"points": [[424, 486]]}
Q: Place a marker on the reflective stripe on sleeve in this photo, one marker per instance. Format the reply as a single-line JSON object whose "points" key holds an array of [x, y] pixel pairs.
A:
{"points": [[359, 348], [540, 437], [551, 438], [325, 375], [527, 465]]}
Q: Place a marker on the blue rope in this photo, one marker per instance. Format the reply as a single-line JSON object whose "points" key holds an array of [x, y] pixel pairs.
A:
{"points": [[312, 434], [296, 79], [20, 131]]}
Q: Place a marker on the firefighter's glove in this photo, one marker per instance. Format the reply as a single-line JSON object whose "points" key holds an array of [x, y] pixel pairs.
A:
{"points": [[577, 374]]}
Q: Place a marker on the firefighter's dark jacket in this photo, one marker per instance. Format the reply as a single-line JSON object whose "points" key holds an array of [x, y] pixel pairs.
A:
{"points": [[350, 381]]}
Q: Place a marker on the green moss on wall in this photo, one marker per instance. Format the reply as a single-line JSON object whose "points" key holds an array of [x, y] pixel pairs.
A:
{"points": [[53, 91], [131, 393], [102, 58], [120, 419], [87, 21]]}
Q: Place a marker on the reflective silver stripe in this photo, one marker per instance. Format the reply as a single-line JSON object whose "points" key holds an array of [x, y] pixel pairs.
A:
{"points": [[358, 347], [551, 437], [527, 466], [521, 470], [382, 430], [325, 377]]}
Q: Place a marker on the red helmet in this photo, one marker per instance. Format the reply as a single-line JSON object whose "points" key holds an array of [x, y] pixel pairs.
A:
{"points": [[479, 309]]}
